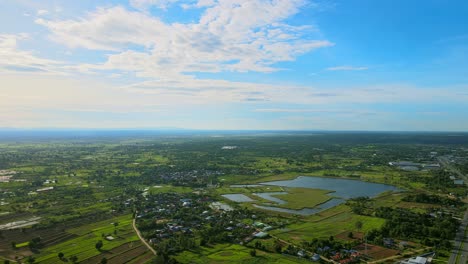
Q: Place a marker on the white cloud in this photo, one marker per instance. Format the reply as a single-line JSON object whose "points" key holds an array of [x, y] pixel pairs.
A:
{"points": [[14, 59], [232, 35], [347, 68], [107, 29], [42, 12], [145, 4], [44, 100]]}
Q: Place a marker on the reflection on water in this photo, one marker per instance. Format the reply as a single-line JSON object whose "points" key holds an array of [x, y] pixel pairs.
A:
{"points": [[306, 211], [343, 188], [238, 197], [268, 196]]}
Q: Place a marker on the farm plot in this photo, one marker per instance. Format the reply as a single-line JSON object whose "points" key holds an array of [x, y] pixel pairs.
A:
{"points": [[134, 252], [225, 253], [83, 245], [376, 252]]}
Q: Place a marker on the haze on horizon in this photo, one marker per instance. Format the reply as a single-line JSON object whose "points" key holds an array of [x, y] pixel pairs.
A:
{"points": [[232, 64]]}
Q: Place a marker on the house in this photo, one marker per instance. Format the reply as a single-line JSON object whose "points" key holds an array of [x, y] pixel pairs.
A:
{"points": [[44, 189], [261, 235], [458, 182], [259, 224], [388, 242], [315, 257], [416, 260]]}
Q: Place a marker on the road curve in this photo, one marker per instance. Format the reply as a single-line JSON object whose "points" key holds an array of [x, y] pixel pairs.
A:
{"points": [[141, 238]]}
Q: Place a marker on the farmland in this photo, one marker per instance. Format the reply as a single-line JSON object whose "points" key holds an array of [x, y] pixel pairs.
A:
{"points": [[79, 191]]}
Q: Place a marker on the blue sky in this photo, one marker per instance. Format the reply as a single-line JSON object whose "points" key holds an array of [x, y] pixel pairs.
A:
{"points": [[232, 64]]}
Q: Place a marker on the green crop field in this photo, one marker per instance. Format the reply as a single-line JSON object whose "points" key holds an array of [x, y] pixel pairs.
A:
{"points": [[227, 253], [83, 246]]}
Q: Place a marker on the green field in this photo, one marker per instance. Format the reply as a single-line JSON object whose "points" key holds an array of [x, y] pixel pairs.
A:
{"points": [[329, 223], [83, 246], [227, 253], [299, 198]]}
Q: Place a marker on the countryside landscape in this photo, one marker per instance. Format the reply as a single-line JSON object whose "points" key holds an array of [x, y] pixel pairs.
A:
{"points": [[234, 131], [134, 197]]}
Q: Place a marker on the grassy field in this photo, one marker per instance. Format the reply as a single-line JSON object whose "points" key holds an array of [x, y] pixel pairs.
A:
{"points": [[227, 253], [299, 198], [328, 223], [83, 246]]}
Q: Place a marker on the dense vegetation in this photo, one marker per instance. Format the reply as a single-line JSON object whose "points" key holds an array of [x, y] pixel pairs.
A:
{"points": [[71, 182]]}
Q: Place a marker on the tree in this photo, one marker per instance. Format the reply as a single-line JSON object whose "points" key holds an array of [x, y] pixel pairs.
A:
{"points": [[31, 259], [278, 246], [253, 253], [358, 225], [60, 255], [99, 245], [74, 259], [104, 260], [350, 235]]}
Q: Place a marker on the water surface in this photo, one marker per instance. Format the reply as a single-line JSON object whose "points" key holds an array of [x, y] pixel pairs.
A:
{"points": [[343, 188], [269, 196], [238, 197]]}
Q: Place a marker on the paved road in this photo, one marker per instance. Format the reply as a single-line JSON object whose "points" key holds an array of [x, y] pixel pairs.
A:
{"points": [[141, 238], [460, 249]]}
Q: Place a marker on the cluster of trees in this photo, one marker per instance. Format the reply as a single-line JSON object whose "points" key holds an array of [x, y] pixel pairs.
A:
{"points": [[174, 244], [360, 205], [437, 179], [432, 199], [405, 224]]}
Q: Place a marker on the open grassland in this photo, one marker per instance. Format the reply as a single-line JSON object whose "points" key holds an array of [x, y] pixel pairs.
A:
{"points": [[83, 246], [299, 198], [226, 253], [329, 223]]}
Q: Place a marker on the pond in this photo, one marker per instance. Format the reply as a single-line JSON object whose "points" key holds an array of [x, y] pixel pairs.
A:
{"points": [[269, 196], [238, 197], [343, 188], [305, 211]]}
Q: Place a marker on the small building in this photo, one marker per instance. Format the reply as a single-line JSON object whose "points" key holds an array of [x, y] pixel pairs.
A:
{"points": [[416, 260], [458, 182], [261, 235], [45, 189], [315, 257]]}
